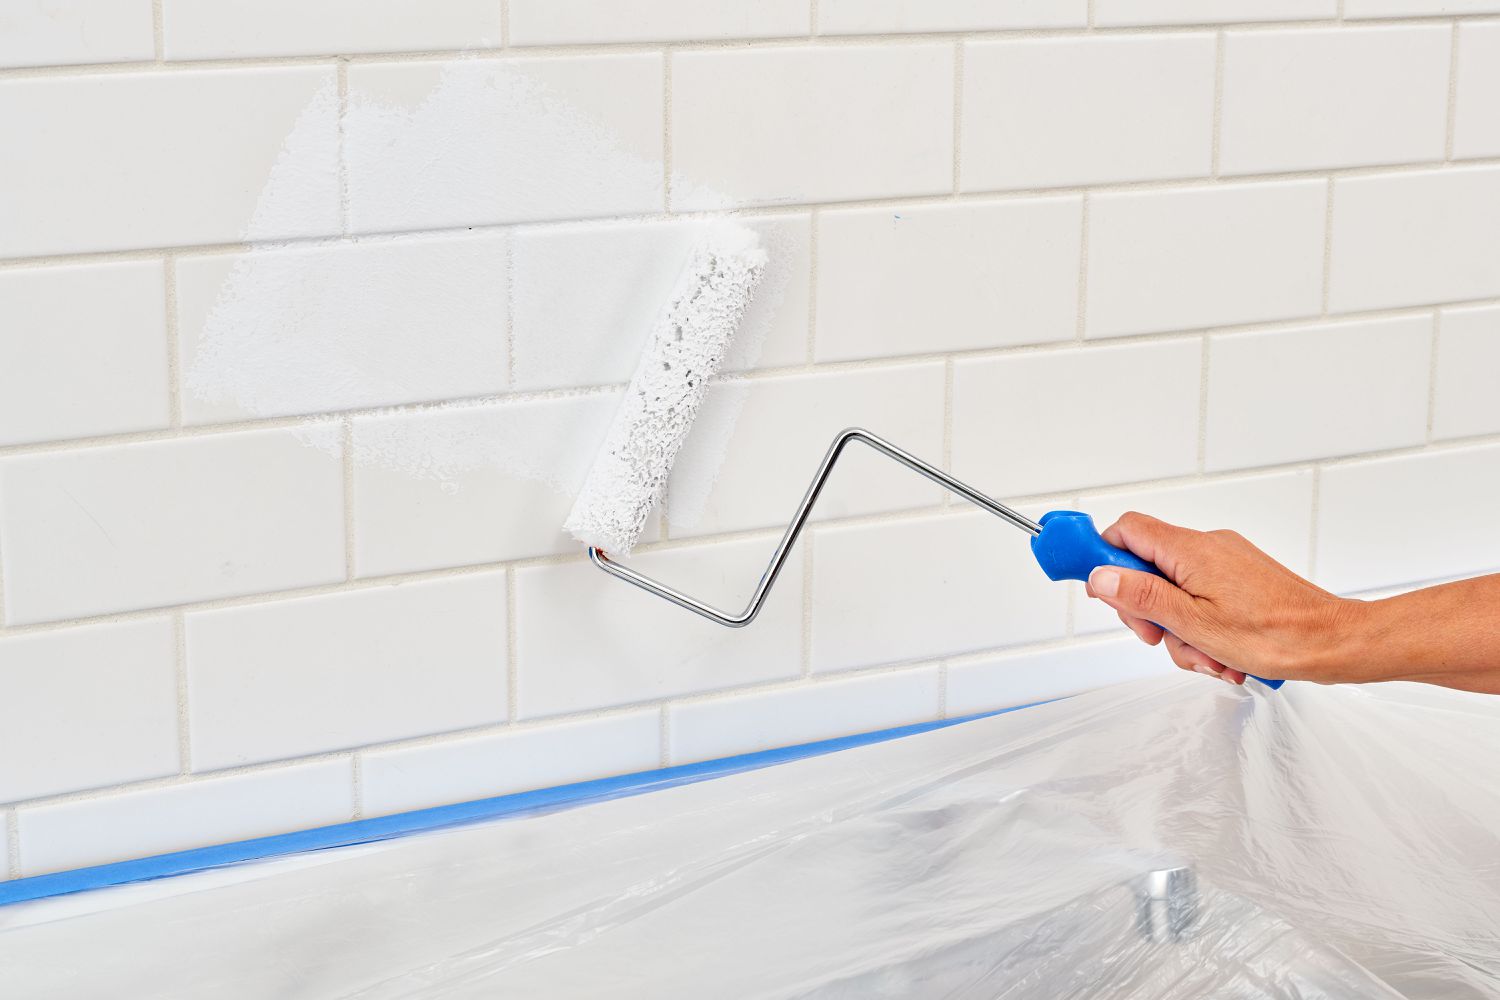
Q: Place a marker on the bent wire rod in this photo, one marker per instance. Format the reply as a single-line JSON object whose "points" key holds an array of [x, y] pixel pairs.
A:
{"points": [[783, 549]]}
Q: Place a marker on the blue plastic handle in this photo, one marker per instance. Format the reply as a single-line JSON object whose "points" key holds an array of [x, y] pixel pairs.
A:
{"points": [[1070, 547]]}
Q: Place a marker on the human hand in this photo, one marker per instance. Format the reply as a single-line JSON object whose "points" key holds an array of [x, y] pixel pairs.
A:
{"points": [[1228, 608]]}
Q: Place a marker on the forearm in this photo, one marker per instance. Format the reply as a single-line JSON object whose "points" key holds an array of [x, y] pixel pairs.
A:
{"points": [[1447, 635]]}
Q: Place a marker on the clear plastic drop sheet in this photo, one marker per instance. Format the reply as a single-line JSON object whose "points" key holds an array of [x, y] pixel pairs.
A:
{"points": [[1168, 838]]}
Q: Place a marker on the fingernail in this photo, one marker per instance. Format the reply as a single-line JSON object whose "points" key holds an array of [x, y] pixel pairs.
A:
{"points": [[1207, 671], [1105, 581]]}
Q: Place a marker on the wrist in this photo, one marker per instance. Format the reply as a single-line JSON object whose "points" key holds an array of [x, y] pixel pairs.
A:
{"points": [[1347, 646]]}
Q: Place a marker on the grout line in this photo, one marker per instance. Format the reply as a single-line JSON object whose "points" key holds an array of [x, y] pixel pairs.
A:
{"points": [[958, 112], [342, 143], [1327, 248], [998, 196], [174, 343], [942, 679], [1451, 115], [1217, 128], [1312, 543], [508, 261], [505, 24], [512, 670], [158, 32], [357, 781], [814, 225], [812, 19], [948, 372], [1080, 332], [184, 702], [1203, 370], [347, 465], [13, 835], [1091, 18], [1432, 370], [666, 131]]}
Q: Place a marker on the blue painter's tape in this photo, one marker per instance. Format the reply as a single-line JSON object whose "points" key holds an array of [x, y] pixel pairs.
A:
{"points": [[365, 831]]}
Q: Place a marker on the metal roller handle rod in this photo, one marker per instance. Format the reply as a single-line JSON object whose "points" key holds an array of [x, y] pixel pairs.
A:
{"points": [[799, 519]]}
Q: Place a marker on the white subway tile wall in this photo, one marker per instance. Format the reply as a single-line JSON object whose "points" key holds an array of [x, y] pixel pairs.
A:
{"points": [[311, 323]]}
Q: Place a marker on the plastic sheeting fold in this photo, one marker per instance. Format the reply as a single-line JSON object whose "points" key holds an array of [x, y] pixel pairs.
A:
{"points": [[1169, 838]]}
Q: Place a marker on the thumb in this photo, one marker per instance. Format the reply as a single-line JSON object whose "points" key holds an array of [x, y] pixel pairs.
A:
{"points": [[1145, 595]]}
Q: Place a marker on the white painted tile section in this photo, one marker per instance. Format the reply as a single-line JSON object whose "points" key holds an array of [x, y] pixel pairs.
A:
{"points": [[586, 640], [5, 872], [1177, 260], [1028, 677], [485, 141], [462, 485], [92, 531], [1116, 13], [85, 708], [310, 675], [1046, 422], [311, 330], [203, 177], [462, 770], [586, 297], [83, 351], [966, 582], [1303, 99], [1476, 124], [1273, 510], [64, 32], [213, 29], [1414, 238], [922, 279], [579, 22], [1468, 373], [1418, 8], [860, 17], [1061, 111], [1400, 520], [721, 727], [1316, 391], [818, 123], [178, 817], [755, 446]]}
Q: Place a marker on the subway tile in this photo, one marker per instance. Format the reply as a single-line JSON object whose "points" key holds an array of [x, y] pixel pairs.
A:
{"points": [[1273, 510], [211, 29], [1468, 360], [308, 330], [1476, 124], [1046, 422], [83, 351], [85, 708], [922, 279], [755, 446], [1303, 99], [483, 141], [585, 640], [1055, 112], [98, 530], [807, 124], [315, 674], [1413, 238], [1179, 260], [1418, 8], [461, 770], [1025, 678], [1390, 521], [1317, 391], [72, 32], [580, 22], [1119, 13], [204, 176], [178, 817], [725, 726], [464, 485], [859, 17], [586, 296], [927, 587]]}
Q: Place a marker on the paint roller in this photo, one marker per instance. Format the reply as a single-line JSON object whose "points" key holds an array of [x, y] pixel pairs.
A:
{"points": [[685, 349]]}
